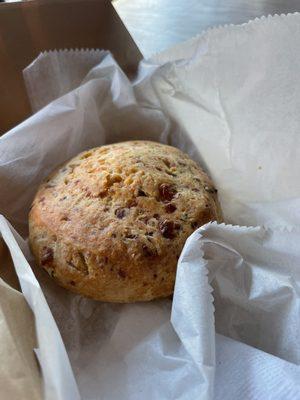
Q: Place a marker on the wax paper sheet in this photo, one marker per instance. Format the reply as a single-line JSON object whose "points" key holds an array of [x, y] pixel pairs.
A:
{"points": [[238, 119]]}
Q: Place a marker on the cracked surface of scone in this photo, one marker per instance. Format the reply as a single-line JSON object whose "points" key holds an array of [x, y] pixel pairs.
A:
{"points": [[110, 224]]}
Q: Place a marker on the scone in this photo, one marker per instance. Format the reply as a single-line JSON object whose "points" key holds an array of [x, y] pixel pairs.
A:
{"points": [[110, 224]]}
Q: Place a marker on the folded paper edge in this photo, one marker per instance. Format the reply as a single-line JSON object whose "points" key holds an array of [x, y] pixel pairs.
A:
{"points": [[208, 361], [56, 390], [267, 228], [217, 29]]}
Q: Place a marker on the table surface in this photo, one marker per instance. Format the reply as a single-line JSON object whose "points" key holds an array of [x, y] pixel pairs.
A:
{"points": [[156, 25]]}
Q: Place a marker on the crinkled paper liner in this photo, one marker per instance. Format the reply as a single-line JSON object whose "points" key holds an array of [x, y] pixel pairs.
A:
{"points": [[209, 255]]}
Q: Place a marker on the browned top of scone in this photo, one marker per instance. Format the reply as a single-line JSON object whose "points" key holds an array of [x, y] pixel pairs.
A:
{"points": [[131, 203]]}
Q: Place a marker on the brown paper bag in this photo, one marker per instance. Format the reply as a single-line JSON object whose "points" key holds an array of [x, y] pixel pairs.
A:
{"points": [[28, 28]]}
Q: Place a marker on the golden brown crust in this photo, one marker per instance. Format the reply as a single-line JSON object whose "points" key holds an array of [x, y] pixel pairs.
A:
{"points": [[110, 224]]}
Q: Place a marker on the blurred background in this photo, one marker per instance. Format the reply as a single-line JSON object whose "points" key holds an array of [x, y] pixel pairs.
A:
{"points": [[30, 27], [156, 25]]}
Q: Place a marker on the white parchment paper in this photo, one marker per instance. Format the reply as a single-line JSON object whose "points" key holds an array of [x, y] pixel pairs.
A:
{"points": [[229, 98]]}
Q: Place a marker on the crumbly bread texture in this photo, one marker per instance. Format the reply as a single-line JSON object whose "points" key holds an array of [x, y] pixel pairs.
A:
{"points": [[110, 224]]}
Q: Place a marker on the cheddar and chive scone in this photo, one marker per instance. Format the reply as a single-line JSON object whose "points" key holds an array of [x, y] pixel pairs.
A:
{"points": [[110, 224]]}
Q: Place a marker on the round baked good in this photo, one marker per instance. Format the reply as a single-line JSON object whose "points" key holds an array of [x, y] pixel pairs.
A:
{"points": [[110, 224]]}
